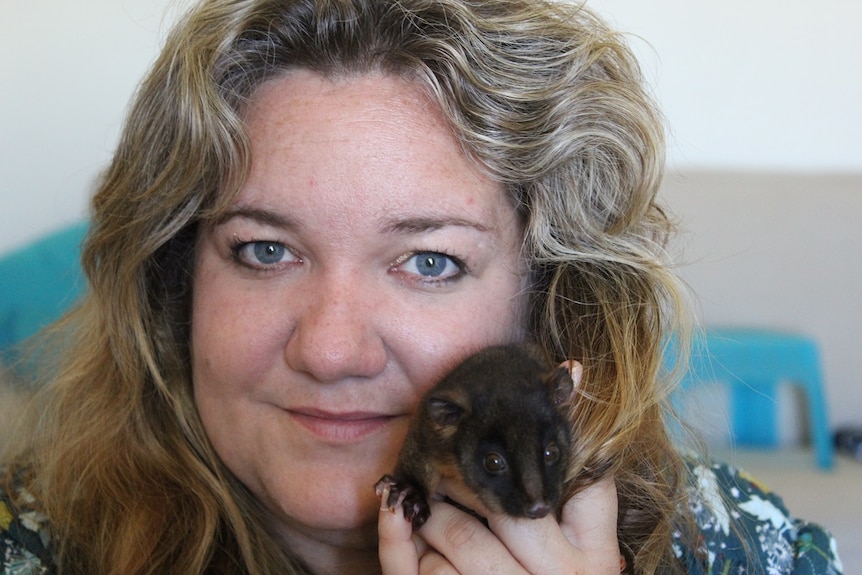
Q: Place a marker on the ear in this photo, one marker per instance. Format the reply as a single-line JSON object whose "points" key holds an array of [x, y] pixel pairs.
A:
{"points": [[446, 409], [564, 380]]}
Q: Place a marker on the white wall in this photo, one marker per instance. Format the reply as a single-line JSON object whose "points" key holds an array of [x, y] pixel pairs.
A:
{"points": [[766, 85], [763, 84], [67, 71], [772, 84]]}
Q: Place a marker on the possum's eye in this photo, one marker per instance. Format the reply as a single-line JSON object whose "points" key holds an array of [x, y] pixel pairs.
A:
{"points": [[495, 463], [552, 453]]}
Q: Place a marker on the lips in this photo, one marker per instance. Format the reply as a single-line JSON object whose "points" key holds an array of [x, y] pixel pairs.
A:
{"points": [[342, 427]]}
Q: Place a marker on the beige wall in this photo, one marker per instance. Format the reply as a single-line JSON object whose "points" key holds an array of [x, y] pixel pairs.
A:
{"points": [[745, 85], [784, 251], [769, 85]]}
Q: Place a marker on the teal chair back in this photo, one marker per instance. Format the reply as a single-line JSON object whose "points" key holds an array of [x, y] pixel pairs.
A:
{"points": [[753, 363], [38, 283]]}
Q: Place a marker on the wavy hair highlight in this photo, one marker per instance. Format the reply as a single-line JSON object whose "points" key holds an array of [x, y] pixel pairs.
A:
{"points": [[545, 98]]}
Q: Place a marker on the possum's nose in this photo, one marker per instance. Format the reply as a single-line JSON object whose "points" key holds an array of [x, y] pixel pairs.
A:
{"points": [[537, 509]]}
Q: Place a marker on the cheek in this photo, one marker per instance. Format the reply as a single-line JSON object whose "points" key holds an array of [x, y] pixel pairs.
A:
{"points": [[231, 354], [482, 318], [231, 342]]}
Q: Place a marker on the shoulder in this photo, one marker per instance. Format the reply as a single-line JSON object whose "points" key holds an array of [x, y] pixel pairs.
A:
{"points": [[740, 521], [24, 534]]}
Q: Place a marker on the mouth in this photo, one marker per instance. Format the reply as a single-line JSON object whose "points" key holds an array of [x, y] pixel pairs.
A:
{"points": [[343, 427]]}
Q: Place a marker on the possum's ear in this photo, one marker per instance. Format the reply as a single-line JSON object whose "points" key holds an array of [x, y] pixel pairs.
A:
{"points": [[446, 409], [564, 380]]}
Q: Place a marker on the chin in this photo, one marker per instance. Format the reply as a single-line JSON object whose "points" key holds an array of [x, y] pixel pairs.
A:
{"points": [[335, 498], [340, 521]]}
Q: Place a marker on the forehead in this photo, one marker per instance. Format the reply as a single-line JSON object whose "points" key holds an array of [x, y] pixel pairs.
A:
{"points": [[309, 101], [365, 139]]}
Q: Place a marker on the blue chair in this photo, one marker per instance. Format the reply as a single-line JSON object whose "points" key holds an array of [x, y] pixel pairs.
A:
{"points": [[38, 282], [754, 363]]}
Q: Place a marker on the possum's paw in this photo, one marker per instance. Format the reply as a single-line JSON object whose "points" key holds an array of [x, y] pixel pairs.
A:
{"points": [[403, 494]]}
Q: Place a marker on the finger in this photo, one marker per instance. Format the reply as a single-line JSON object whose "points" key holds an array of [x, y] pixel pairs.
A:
{"points": [[396, 550], [433, 563], [466, 543], [586, 541], [537, 544], [589, 521], [589, 518]]}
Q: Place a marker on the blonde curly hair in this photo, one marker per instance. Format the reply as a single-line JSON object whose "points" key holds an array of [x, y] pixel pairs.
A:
{"points": [[543, 96]]}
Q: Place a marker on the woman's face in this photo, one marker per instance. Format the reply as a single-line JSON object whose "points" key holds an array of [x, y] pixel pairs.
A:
{"points": [[362, 259]]}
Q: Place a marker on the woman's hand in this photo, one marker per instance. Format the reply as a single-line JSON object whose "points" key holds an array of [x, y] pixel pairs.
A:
{"points": [[584, 542]]}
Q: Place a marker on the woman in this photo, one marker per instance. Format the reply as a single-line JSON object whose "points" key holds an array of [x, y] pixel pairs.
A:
{"points": [[316, 209]]}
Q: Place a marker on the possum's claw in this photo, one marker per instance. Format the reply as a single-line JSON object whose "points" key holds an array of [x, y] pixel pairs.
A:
{"points": [[415, 508], [408, 497]]}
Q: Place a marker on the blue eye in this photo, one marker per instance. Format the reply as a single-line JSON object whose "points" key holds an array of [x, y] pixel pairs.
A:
{"points": [[268, 252], [262, 253], [433, 265]]}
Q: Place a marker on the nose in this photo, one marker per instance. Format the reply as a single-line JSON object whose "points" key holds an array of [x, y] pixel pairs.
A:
{"points": [[335, 335], [537, 509]]}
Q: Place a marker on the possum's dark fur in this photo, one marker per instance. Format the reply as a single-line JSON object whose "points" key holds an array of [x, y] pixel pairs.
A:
{"points": [[497, 423]]}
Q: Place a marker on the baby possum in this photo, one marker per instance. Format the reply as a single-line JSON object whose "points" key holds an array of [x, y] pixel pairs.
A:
{"points": [[497, 423]]}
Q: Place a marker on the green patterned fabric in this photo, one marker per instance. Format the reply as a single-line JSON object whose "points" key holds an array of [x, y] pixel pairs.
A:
{"points": [[744, 529], [742, 522], [25, 539]]}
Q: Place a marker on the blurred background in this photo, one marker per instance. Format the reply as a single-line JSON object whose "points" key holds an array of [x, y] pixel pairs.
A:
{"points": [[765, 162]]}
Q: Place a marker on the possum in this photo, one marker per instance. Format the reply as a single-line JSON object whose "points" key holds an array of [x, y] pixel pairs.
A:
{"points": [[497, 423]]}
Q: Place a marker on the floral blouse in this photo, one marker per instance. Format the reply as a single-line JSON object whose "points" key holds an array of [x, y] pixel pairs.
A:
{"points": [[24, 536], [732, 510], [742, 522]]}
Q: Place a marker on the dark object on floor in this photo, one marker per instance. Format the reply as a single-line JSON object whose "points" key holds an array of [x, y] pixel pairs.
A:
{"points": [[849, 440]]}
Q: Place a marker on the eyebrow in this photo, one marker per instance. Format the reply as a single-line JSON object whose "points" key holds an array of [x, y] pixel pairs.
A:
{"points": [[391, 225], [413, 225], [260, 215]]}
